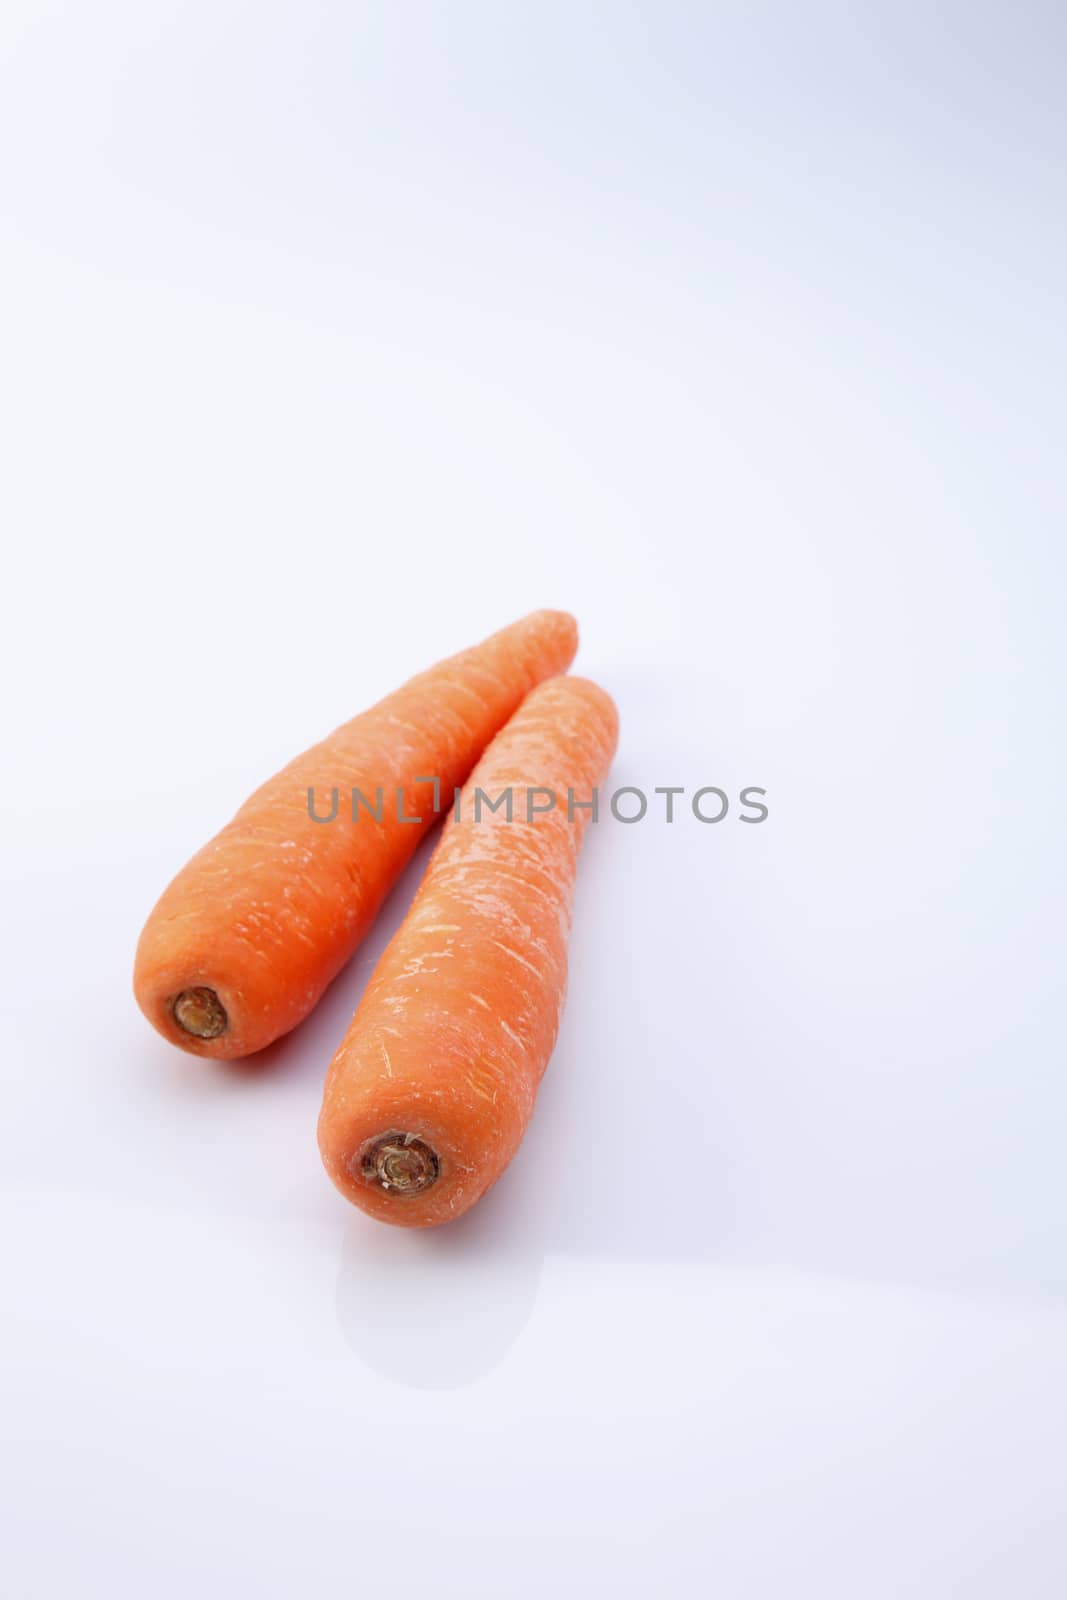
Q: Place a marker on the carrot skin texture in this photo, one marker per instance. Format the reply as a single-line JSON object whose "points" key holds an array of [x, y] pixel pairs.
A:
{"points": [[453, 1034], [270, 910]]}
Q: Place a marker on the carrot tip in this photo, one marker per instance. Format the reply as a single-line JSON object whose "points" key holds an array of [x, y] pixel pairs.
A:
{"points": [[201, 1013], [399, 1162]]}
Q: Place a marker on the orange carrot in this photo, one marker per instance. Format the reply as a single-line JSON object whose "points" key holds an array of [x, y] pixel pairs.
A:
{"points": [[433, 1086], [246, 938]]}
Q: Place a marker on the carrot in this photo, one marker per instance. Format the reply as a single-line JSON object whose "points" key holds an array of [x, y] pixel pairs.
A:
{"points": [[242, 944], [433, 1086]]}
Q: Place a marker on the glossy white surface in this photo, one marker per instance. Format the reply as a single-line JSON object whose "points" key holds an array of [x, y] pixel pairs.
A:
{"points": [[331, 342]]}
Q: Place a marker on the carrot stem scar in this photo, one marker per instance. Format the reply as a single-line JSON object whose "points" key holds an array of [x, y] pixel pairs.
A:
{"points": [[201, 1013], [401, 1162], [247, 937]]}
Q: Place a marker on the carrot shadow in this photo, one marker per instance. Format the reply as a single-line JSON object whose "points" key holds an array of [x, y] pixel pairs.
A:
{"points": [[439, 1308]]}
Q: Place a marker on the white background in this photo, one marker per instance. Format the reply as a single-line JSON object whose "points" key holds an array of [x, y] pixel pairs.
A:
{"points": [[333, 337]]}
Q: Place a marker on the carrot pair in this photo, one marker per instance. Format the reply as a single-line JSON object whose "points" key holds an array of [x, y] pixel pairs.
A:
{"points": [[433, 1085]]}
